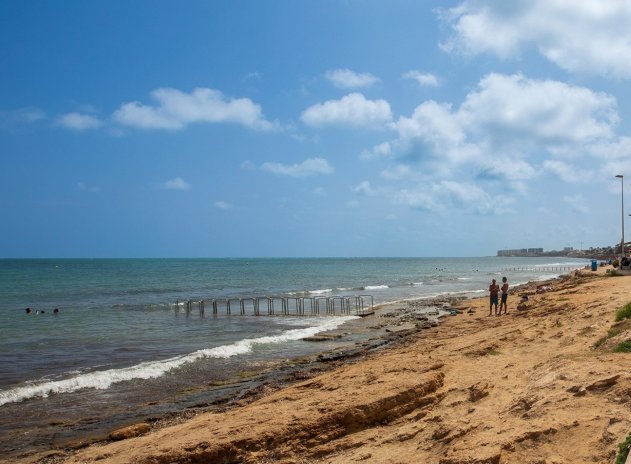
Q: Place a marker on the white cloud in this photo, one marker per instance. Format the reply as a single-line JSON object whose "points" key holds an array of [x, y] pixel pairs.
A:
{"points": [[306, 168], [398, 172], [248, 165], [550, 111], [383, 150], [418, 199], [508, 117], [614, 167], [619, 148], [352, 110], [449, 195], [177, 183], [352, 204], [438, 131], [319, 192], [506, 168], [27, 115], [347, 79], [475, 199], [364, 188], [577, 203], [423, 79], [175, 110], [565, 171], [590, 36], [252, 75], [13, 119], [79, 122], [222, 205]]}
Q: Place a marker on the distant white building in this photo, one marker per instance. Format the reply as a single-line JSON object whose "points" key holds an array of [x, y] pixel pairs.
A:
{"points": [[520, 252]]}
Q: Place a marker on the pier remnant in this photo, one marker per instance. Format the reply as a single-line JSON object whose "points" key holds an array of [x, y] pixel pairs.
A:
{"points": [[356, 305]]}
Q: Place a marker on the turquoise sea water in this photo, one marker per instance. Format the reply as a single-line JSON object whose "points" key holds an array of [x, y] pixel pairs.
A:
{"points": [[118, 337]]}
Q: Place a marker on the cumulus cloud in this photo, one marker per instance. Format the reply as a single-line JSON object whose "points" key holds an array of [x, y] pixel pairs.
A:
{"points": [[549, 110], [590, 36], [347, 79], [423, 79], [508, 117], [435, 130], [177, 183], [79, 122], [352, 110], [308, 167], [174, 110]]}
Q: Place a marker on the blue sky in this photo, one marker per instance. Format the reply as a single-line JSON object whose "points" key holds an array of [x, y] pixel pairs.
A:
{"points": [[312, 128]]}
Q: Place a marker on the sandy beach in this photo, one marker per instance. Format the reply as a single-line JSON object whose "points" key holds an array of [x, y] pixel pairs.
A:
{"points": [[538, 385]]}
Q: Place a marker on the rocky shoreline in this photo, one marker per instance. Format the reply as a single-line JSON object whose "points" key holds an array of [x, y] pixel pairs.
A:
{"points": [[389, 326]]}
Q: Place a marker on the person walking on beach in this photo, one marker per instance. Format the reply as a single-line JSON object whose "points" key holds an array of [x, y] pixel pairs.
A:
{"points": [[504, 296], [494, 290]]}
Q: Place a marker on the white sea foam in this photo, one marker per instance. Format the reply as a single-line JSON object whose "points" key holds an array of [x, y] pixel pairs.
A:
{"points": [[375, 287], [102, 380], [319, 292], [465, 278], [417, 284]]}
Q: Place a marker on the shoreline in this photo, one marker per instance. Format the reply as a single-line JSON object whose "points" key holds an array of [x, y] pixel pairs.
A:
{"points": [[285, 375]]}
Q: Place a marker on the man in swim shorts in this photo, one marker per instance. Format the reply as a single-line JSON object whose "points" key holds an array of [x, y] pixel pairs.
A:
{"points": [[504, 296], [494, 290]]}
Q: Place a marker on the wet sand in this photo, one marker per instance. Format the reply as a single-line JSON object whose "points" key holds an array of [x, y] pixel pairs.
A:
{"points": [[528, 387]]}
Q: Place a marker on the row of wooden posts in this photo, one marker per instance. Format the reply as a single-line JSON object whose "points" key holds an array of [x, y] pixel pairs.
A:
{"points": [[358, 305]]}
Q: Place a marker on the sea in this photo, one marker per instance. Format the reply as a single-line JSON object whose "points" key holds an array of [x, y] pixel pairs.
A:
{"points": [[125, 346]]}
